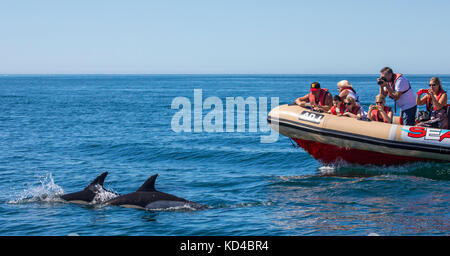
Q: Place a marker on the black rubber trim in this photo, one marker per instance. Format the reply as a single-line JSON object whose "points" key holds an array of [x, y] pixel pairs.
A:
{"points": [[362, 138]]}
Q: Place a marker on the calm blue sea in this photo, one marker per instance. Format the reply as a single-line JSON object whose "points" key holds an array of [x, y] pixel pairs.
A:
{"points": [[58, 132]]}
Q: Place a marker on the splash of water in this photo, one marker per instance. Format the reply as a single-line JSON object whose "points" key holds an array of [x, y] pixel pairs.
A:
{"points": [[432, 170], [103, 195], [180, 208], [47, 192]]}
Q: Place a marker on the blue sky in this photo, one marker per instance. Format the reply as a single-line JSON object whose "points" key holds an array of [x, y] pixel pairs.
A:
{"points": [[203, 37]]}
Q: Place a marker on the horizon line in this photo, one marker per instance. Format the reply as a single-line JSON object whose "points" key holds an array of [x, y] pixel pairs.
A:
{"points": [[156, 74]]}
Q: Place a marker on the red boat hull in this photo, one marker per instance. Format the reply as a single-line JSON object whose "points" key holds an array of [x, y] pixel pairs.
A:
{"points": [[328, 154]]}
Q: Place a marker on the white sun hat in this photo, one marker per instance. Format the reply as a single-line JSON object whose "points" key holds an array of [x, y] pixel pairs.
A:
{"points": [[344, 83]]}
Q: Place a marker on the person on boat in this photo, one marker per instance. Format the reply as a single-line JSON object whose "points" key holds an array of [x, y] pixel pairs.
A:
{"points": [[346, 90], [398, 88], [352, 109], [436, 103], [319, 99], [338, 107], [380, 112]]}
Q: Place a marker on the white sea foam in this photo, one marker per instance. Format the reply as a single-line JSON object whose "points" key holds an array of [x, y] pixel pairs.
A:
{"points": [[327, 170], [343, 168], [47, 191]]}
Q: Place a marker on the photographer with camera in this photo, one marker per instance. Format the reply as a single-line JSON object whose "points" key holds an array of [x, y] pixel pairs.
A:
{"points": [[436, 102], [398, 88]]}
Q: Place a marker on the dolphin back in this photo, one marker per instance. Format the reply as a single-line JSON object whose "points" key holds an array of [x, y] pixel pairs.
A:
{"points": [[149, 185], [88, 194], [82, 196], [99, 180]]}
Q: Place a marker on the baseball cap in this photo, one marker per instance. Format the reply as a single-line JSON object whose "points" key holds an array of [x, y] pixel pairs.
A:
{"points": [[314, 87]]}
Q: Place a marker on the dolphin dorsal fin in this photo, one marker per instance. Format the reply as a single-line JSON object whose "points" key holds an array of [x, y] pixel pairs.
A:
{"points": [[149, 184], [99, 180]]}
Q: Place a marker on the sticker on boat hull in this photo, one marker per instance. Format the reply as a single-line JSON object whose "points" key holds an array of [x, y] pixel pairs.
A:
{"points": [[311, 117], [426, 134]]}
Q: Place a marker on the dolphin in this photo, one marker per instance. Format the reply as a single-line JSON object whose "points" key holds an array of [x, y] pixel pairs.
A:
{"points": [[147, 197], [93, 193]]}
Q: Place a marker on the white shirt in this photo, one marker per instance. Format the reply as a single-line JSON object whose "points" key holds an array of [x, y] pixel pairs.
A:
{"points": [[407, 100]]}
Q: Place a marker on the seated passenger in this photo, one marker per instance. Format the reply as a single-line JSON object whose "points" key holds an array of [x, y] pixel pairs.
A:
{"points": [[380, 112], [346, 90], [351, 109], [436, 102], [338, 106], [319, 99]]}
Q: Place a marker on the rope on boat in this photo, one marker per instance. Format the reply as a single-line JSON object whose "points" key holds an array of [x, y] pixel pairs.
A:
{"points": [[293, 143]]}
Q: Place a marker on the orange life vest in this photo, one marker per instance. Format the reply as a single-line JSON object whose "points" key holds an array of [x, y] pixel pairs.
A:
{"points": [[375, 114], [321, 100]]}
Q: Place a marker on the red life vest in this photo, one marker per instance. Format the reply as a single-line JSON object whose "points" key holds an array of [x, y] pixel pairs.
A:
{"points": [[323, 93], [375, 114], [349, 88], [429, 103], [353, 90], [341, 109], [392, 84]]}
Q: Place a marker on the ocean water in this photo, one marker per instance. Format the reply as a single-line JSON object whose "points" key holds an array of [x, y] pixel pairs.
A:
{"points": [[58, 132]]}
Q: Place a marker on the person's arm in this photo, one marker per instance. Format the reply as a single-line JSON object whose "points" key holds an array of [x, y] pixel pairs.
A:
{"points": [[400, 86], [385, 115], [358, 114], [301, 101], [343, 94], [348, 114], [328, 103], [369, 114], [391, 116], [382, 90], [442, 101], [421, 100], [394, 94]]}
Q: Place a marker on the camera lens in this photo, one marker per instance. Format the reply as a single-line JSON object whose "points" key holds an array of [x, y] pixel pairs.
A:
{"points": [[381, 80]]}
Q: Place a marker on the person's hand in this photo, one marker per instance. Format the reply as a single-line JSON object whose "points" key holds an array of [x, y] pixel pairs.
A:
{"points": [[381, 82], [302, 104], [430, 91], [422, 91], [316, 108], [371, 107], [419, 124]]}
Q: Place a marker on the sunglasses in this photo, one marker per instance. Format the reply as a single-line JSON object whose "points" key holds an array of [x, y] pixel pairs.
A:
{"points": [[347, 103], [433, 85], [379, 102]]}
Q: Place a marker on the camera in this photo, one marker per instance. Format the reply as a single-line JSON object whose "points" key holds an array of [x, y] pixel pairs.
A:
{"points": [[382, 80]]}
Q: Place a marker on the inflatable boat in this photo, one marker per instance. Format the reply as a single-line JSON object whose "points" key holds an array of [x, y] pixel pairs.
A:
{"points": [[331, 138]]}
